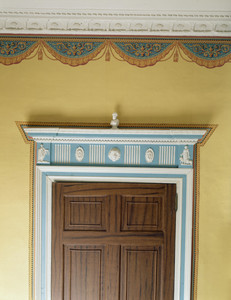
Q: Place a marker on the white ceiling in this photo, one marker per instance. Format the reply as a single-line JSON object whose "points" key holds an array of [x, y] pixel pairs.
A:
{"points": [[123, 17], [153, 5]]}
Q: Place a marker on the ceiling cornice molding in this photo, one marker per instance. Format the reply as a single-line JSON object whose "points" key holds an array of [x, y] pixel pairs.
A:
{"points": [[115, 22]]}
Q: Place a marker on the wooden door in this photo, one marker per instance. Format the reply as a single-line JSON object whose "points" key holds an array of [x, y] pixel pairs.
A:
{"points": [[113, 241]]}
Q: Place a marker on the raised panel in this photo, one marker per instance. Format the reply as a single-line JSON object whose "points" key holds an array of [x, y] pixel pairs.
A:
{"points": [[141, 270], [83, 272], [141, 213], [85, 213]]}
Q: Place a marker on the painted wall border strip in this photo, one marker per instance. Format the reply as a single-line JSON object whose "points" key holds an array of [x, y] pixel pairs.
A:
{"points": [[141, 52]]}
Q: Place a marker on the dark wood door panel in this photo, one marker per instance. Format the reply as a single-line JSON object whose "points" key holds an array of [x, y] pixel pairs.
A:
{"points": [[141, 213], [141, 272], [83, 272], [111, 188], [113, 241], [85, 213], [113, 272]]}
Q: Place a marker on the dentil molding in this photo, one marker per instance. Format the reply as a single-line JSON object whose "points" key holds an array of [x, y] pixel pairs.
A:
{"points": [[115, 22]]}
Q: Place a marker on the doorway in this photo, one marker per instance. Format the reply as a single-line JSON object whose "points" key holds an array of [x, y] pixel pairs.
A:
{"points": [[113, 241]]}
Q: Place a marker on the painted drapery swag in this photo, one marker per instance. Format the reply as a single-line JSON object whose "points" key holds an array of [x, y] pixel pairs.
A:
{"points": [[139, 52]]}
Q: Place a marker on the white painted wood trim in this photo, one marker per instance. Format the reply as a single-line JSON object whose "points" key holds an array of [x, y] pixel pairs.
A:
{"points": [[112, 132], [115, 136], [188, 236], [113, 170], [119, 141], [49, 179], [37, 234], [48, 235]]}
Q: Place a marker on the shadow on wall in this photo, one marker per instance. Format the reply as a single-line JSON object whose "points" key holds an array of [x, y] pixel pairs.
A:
{"points": [[154, 118], [77, 118]]}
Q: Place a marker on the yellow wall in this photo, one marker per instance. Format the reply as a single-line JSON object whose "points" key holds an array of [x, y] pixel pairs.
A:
{"points": [[166, 93]]}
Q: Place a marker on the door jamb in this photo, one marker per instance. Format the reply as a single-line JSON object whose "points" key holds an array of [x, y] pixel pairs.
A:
{"points": [[46, 175]]}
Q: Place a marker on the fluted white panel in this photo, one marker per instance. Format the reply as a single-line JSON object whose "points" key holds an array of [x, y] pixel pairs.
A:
{"points": [[132, 155], [97, 154], [167, 155], [62, 153]]}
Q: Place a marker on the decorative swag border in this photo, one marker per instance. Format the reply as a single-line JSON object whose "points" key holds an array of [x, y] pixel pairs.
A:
{"points": [[75, 51]]}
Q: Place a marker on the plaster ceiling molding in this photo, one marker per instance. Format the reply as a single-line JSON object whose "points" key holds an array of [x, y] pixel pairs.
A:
{"points": [[204, 27], [2, 23], [223, 27], [57, 24], [182, 26], [36, 24], [115, 22], [98, 25], [77, 25], [15, 23], [161, 26], [119, 25], [140, 26]]}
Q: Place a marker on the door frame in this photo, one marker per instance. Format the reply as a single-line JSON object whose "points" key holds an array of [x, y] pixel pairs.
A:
{"points": [[46, 175], [159, 152]]}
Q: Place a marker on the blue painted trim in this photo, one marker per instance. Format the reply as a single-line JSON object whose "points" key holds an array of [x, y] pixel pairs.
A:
{"points": [[183, 238], [121, 162], [43, 233]]}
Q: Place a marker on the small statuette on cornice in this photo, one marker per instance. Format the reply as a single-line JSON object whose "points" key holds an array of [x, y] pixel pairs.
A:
{"points": [[114, 122], [149, 155], [79, 154], [114, 154], [185, 157], [42, 152]]}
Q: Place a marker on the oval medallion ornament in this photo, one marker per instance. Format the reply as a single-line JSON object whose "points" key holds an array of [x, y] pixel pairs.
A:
{"points": [[79, 154], [114, 154], [149, 155]]}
